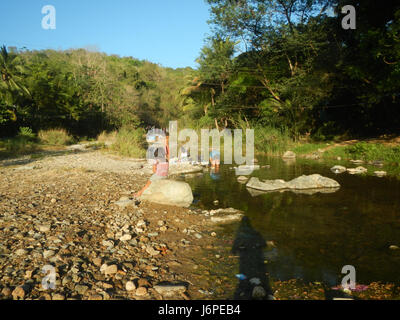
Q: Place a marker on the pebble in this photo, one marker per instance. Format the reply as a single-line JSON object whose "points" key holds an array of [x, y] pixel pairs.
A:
{"points": [[258, 292], [21, 252], [169, 289], [142, 291], [130, 286], [125, 237], [81, 289], [109, 270], [18, 293], [58, 296]]}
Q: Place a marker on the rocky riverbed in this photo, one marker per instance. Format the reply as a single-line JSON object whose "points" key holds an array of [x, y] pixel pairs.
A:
{"points": [[73, 211]]}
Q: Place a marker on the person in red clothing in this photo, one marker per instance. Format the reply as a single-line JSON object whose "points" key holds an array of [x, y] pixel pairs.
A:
{"points": [[160, 167]]}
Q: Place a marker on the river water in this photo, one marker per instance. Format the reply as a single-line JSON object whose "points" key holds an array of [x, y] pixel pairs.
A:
{"points": [[312, 237]]}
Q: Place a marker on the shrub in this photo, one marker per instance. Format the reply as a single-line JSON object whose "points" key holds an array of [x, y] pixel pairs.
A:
{"points": [[271, 140], [56, 137], [26, 133], [130, 142]]}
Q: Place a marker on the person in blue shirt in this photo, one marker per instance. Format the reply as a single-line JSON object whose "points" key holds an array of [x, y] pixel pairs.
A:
{"points": [[215, 158]]}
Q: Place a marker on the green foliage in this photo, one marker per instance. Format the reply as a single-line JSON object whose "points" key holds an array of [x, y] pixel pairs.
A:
{"points": [[27, 133], [19, 145], [372, 151], [271, 140], [130, 142], [57, 137]]}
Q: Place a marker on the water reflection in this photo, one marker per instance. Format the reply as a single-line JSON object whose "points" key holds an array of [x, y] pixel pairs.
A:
{"points": [[316, 234]]}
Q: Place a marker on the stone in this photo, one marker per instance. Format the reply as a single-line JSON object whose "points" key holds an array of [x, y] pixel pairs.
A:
{"points": [[110, 270], [97, 262], [81, 289], [246, 169], [142, 291], [48, 253], [151, 251], [169, 290], [227, 218], [258, 292], [142, 282], [124, 202], [358, 170], [314, 181], [18, 293], [21, 252], [289, 155], [95, 297], [6, 292], [169, 192], [380, 174], [130, 286], [338, 169], [58, 296], [125, 237], [44, 228], [242, 179]]}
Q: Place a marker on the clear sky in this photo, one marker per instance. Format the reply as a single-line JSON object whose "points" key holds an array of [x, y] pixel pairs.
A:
{"points": [[168, 32]]}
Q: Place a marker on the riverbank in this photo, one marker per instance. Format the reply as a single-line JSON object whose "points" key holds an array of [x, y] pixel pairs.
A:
{"points": [[71, 209]]}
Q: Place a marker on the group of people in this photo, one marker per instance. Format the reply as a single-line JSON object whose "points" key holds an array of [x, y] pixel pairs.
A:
{"points": [[161, 163]]}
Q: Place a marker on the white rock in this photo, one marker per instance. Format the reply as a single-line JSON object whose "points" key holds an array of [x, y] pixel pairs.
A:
{"points": [[125, 237], [130, 286], [169, 192]]}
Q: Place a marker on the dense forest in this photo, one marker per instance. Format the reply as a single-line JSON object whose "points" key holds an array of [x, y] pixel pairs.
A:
{"points": [[282, 64]]}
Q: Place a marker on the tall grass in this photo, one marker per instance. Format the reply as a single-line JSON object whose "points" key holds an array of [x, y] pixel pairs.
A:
{"points": [[57, 137], [272, 141], [130, 142]]}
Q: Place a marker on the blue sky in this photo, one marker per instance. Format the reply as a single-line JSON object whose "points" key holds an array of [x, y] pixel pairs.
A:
{"points": [[168, 32]]}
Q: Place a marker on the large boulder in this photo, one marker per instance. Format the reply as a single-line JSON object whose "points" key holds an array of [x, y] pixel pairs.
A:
{"points": [[169, 192], [266, 185], [314, 181]]}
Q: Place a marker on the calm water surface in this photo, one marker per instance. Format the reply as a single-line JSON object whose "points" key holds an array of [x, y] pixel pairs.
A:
{"points": [[315, 235]]}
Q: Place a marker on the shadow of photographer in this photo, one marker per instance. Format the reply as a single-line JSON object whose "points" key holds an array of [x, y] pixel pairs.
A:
{"points": [[249, 245]]}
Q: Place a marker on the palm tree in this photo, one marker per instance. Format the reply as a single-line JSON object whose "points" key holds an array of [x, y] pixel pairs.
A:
{"points": [[11, 70]]}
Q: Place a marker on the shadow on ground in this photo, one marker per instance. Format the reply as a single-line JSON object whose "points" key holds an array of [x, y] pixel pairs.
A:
{"points": [[249, 244]]}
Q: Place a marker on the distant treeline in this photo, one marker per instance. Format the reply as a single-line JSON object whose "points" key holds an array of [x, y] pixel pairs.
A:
{"points": [[282, 64]]}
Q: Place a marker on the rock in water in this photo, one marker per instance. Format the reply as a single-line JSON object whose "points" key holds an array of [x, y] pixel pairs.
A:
{"points": [[338, 169], [267, 185], [380, 173], [169, 192], [358, 170], [289, 155], [313, 181]]}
